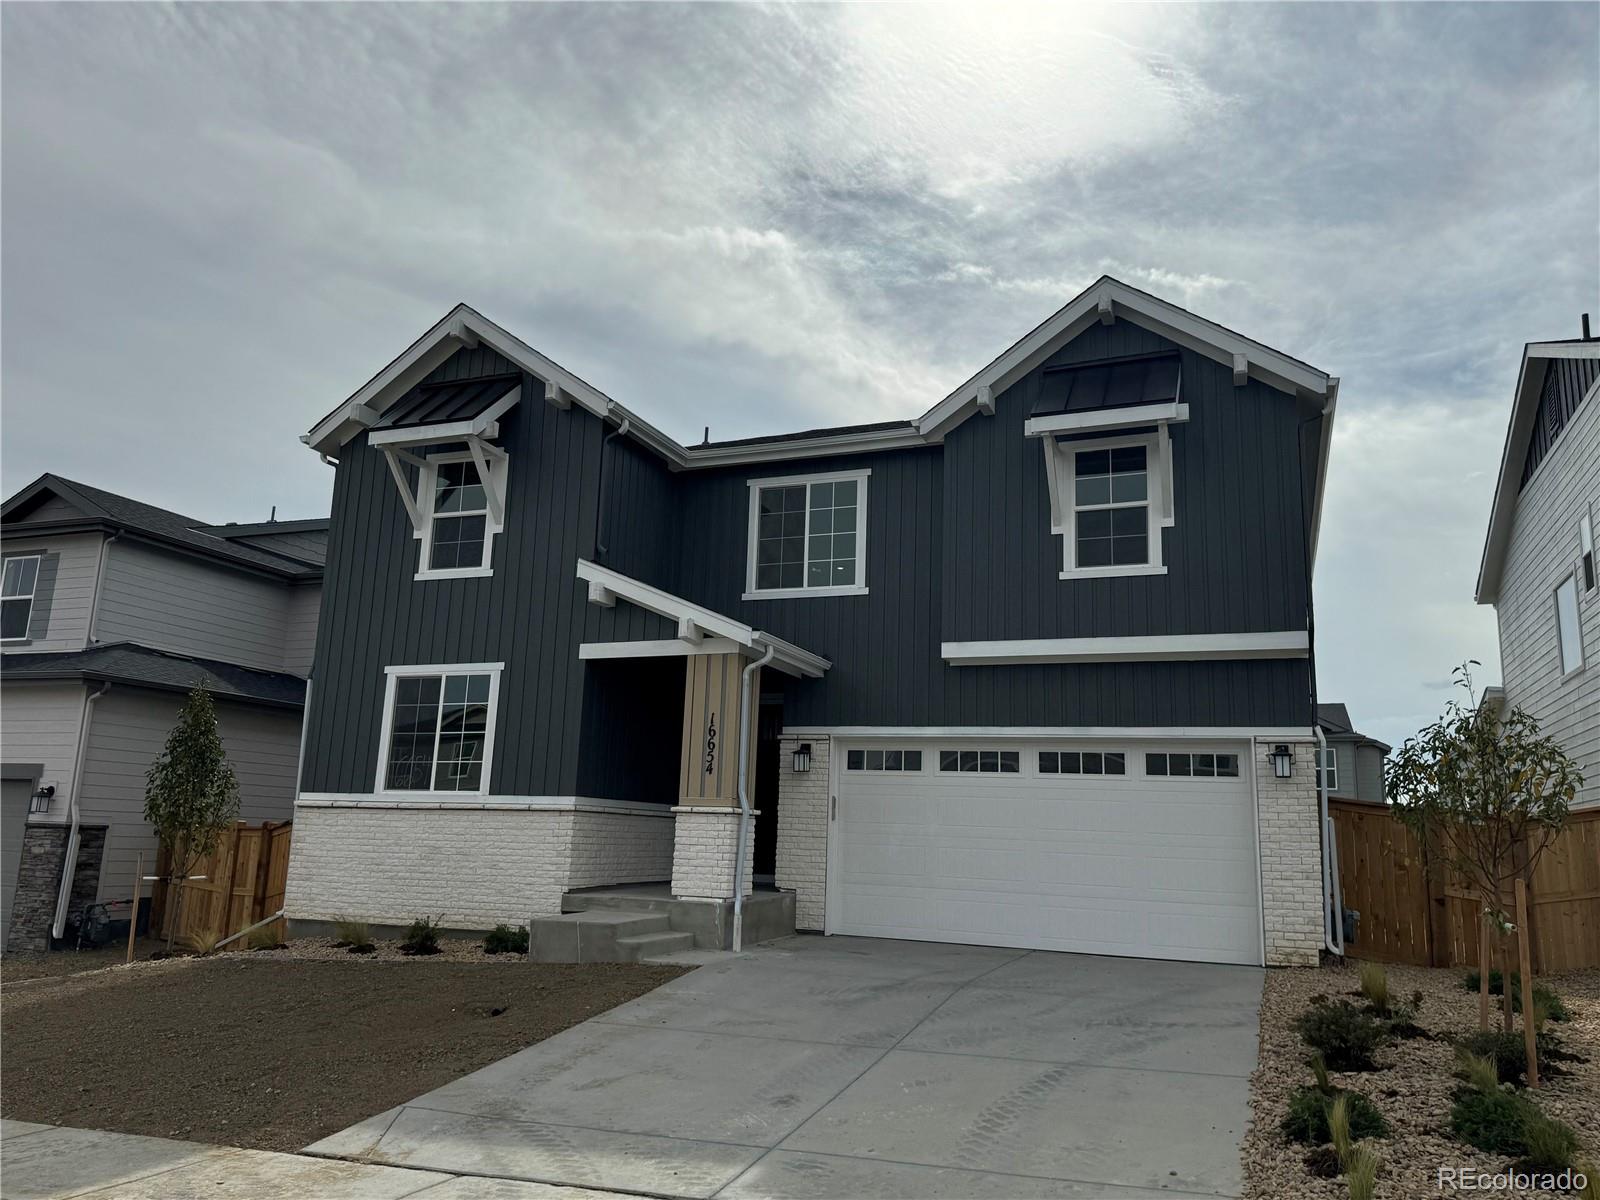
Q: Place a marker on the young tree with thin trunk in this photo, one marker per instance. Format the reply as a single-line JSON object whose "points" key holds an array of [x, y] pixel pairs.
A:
{"points": [[191, 795], [1491, 792]]}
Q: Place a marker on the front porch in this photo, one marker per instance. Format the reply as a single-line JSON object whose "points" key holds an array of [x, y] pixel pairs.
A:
{"points": [[648, 923]]}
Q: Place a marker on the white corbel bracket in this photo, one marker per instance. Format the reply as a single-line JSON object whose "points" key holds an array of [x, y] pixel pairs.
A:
{"points": [[689, 632], [554, 395], [986, 400], [1103, 307], [1241, 370], [601, 595]]}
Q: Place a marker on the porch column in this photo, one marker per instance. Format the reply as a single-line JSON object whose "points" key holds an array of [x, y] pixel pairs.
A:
{"points": [[706, 828]]}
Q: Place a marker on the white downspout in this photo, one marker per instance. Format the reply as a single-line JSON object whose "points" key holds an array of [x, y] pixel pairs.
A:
{"points": [[70, 867], [744, 794], [99, 586], [1332, 904]]}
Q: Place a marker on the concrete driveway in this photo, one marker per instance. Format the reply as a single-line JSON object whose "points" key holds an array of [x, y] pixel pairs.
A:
{"points": [[852, 1067]]}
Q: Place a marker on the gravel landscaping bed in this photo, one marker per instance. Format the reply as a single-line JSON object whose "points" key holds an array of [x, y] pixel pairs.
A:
{"points": [[270, 1052], [1413, 1084]]}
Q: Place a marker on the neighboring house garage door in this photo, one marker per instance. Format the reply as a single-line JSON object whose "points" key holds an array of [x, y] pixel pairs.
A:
{"points": [[991, 843], [14, 795]]}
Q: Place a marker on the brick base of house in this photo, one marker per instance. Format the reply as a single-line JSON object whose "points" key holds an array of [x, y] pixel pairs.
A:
{"points": [[704, 843], [471, 868], [33, 905], [802, 858], [1290, 833]]}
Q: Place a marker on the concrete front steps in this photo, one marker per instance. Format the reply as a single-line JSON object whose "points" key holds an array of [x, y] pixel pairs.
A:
{"points": [[647, 923]]}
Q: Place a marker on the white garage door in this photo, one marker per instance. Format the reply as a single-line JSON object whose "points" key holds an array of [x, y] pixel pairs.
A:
{"points": [[1147, 850]]}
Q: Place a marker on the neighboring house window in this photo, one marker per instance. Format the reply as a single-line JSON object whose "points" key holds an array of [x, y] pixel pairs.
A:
{"points": [[1567, 629], [438, 733], [989, 762], [1111, 507], [1586, 542], [1197, 766], [808, 536], [883, 760], [20, 578], [1082, 762], [1328, 768], [458, 527]]}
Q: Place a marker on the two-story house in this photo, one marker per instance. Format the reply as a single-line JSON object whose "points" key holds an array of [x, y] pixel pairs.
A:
{"points": [[1351, 764], [110, 611], [1538, 567], [1031, 669]]}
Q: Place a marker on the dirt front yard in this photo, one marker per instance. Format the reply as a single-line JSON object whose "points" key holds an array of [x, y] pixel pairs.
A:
{"points": [[270, 1053], [1413, 1084]]}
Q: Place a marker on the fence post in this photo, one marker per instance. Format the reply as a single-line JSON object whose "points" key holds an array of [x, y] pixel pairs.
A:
{"points": [[1529, 1033]]}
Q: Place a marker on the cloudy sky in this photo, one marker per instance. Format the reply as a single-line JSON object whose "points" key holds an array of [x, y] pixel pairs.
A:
{"points": [[219, 220]]}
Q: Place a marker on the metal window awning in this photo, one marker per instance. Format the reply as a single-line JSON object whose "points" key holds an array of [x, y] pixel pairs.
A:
{"points": [[468, 412]]}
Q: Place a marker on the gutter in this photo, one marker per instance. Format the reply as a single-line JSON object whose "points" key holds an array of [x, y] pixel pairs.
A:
{"points": [[1332, 899], [744, 793], [600, 490], [69, 868]]}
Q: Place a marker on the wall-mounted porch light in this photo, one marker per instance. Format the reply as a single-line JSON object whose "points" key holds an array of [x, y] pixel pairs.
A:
{"points": [[40, 801], [1282, 761], [802, 758]]}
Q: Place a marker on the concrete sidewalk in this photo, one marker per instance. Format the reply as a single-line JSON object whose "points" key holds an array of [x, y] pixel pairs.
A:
{"points": [[48, 1162]]}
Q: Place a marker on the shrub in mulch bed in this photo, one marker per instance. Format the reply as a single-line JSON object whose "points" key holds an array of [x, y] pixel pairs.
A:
{"points": [[1508, 1052], [1307, 1120], [421, 938], [1501, 1121], [353, 936], [1347, 1037], [503, 939]]}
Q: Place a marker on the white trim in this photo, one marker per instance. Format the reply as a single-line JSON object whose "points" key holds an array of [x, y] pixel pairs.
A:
{"points": [[494, 488], [675, 648], [492, 670], [1289, 643], [1041, 733], [788, 657], [757, 486], [1112, 572], [1085, 420], [1322, 770], [32, 595], [1061, 474], [440, 800]]}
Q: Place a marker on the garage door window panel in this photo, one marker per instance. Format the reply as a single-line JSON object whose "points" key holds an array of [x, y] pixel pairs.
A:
{"points": [[899, 760], [981, 761], [1192, 765]]}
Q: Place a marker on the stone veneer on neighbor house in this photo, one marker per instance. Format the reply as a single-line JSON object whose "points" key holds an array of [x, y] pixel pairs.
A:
{"points": [[1291, 857], [33, 907], [472, 866]]}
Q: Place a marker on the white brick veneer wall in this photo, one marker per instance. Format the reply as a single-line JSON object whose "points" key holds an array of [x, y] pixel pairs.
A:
{"points": [[802, 856], [703, 844], [474, 866], [1291, 857]]}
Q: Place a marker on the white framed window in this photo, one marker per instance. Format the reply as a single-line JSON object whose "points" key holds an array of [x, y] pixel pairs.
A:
{"points": [[1083, 762], [18, 581], [808, 536], [1328, 768], [1586, 551], [1192, 766], [458, 524], [987, 762], [883, 760], [438, 729], [1110, 498], [1569, 633]]}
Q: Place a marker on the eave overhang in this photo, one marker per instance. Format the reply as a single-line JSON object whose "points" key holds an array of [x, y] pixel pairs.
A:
{"points": [[1536, 357]]}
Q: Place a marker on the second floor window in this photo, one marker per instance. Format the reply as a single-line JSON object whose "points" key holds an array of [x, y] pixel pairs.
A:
{"points": [[1111, 507], [808, 536], [20, 578], [1328, 768], [1569, 633], [458, 523]]}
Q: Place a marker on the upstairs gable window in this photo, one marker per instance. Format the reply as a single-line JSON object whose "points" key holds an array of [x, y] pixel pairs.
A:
{"points": [[17, 584], [1111, 505], [458, 521], [808, 536]]}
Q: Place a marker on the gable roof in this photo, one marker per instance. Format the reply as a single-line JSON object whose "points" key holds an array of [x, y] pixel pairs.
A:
{"points": [[1335, 721], [1105, 300], [104, 509], [128, 662], [1536, 360]]}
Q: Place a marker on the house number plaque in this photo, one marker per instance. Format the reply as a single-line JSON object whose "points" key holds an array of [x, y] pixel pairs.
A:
{"points": [[711, 744]]}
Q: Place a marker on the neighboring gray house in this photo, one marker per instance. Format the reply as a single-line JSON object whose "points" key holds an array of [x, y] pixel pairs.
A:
{"points": [[1032, 669], [1538, 566], [1353, 761], [112, 610]]}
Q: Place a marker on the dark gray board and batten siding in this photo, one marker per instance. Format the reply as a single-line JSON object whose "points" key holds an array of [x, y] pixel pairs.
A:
{"points": [[958, 548]]}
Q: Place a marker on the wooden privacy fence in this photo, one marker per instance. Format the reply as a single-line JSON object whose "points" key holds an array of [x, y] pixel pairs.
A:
{"points": [[1416, 911], [244, 882]]}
